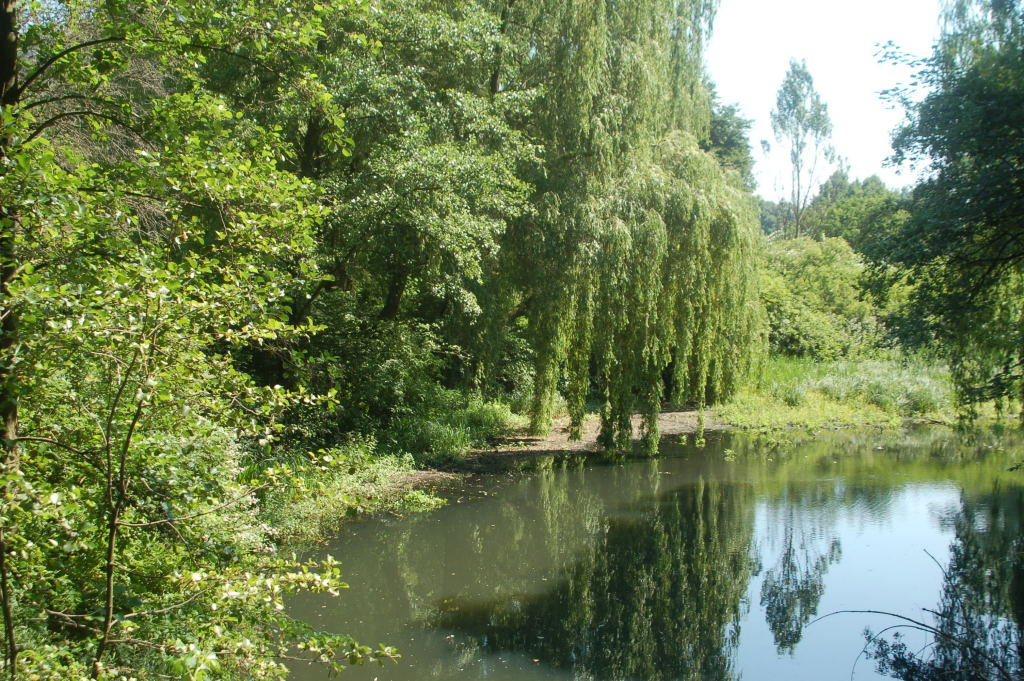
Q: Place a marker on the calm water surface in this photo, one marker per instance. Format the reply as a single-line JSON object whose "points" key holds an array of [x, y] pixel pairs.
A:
{"points": [[705, 563]]}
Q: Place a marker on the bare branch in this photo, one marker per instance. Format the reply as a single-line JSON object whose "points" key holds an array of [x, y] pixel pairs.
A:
{"points": [[65, 98], [50, 441], [192, 516]]}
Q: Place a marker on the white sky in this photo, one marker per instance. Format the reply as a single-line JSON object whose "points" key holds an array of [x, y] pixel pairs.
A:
{"points": [[749, 54]]}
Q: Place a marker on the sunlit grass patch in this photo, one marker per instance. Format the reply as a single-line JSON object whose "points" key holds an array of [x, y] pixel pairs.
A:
{"points": [[442, 434], [339, 483], [797, 392]]}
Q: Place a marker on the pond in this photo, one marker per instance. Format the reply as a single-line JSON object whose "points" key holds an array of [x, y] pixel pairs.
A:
{"points": [[711, 562]]}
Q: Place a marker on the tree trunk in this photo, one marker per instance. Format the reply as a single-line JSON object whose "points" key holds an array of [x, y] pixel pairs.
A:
{"points": [[312, 152], [9, 389], [495, 84], [393, 301]]}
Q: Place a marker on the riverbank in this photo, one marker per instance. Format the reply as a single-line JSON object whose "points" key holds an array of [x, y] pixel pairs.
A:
{"points": [[788, 395], [669, 423]]}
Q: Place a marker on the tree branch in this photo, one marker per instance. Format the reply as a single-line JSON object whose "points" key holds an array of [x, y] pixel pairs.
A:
{"points": [[49, 441], [64, 98], [42, 68], [50, 122], [192, 516]]}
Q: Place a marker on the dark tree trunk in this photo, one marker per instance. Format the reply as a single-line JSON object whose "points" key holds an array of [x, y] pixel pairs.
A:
{"points": [[495, 84], [9, 389], [393, 300], [8, 227], [312, 147]]}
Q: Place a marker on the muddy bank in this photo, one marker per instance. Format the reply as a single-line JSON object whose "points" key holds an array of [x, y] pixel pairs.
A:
{"points": [[523, 446], [518, 452]]}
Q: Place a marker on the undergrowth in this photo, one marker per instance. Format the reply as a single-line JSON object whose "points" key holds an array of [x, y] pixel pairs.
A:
{"points": [[340, 483], [440, 434], [369, 474], [799, 392]]}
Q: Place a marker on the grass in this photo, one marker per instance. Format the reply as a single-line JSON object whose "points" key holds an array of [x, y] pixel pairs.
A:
{"points": [[453, 426], [804, 393], [340, 483]]}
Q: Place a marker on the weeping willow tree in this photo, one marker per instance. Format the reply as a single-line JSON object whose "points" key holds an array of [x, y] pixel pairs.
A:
{"points": [[637, 261]]}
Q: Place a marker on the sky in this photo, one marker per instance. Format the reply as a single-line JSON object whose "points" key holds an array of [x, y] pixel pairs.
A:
{"points": [[750, 50]]}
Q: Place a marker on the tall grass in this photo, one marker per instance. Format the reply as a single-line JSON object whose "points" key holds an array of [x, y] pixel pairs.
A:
{"points": [[805, 392], [453, 424]]}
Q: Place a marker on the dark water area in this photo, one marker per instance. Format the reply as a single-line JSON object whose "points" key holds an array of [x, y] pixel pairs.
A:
{"points": [[707, 563]]}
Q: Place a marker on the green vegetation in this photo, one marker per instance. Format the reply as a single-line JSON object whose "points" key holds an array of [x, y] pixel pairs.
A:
{"points": [[442, 432], [637, 257], [349, 480], [962, 241], [259, 259], [883, 274], [799, 392], [814, 300]]}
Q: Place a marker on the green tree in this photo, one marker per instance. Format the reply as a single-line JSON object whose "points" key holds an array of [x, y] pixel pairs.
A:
{"points": [[773, 217], [729, 141], [637, 255], [815, 305], [416, 189], [147, 227], [864, 212], [963, 238], [801, 121]]}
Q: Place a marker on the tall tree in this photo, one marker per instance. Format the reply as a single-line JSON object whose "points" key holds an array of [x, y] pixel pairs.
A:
{"points": [[964, 238], [146, 231], [638, 255], [801, 121], [729, 141]]}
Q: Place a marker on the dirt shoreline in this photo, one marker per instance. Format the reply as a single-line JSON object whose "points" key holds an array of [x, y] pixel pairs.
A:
{"points": [[522, 445], [519, 447], [669, 423]]}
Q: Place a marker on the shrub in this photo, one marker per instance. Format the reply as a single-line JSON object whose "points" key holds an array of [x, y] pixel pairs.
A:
{"points": [[441, 430], [812, 295]]}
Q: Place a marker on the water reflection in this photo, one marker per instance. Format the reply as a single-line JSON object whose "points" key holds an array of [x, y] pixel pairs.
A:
{"points": [[703, 564], [792, 589], [979, 622], [657, 596]]}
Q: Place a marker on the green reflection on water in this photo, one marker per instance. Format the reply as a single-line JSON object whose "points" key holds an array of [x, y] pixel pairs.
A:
{"points": [[656, 596], [979, 621], [703, 564]]}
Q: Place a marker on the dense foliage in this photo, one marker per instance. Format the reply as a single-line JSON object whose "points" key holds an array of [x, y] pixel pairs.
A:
{"points": [[638, 257], [963, 238], [814, 300], [863, 212], [237, 232]]}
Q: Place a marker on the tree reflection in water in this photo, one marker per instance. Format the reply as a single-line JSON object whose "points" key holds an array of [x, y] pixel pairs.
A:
{"points": [[792, 589], [633, 572], [800, 524], [977, 630], [658, 596]]}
